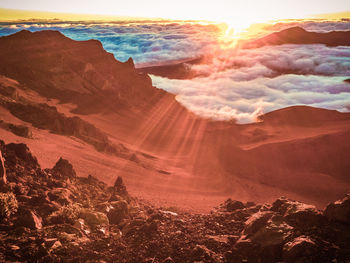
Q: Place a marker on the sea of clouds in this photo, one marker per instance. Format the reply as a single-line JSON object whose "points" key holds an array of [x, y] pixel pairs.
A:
{"points": [[239, 83]]}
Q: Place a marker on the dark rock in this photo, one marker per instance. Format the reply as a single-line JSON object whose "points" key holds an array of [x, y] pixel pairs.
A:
{"points": [[150, 228], [243, 251], [256, 222], [168, 260], [232, 205], [339, 210], [21, 189], [20, 130], [94, 219], [119, 187], [62, 196], [8, 91], [300, 249], [201, 253], [64, 168], [24, 198], [270, 232], [273, 232], [249, 204], [51, 244], [104, 207], [118, 212], [304, 216], [3, 178], [296, 213], [28, 218], [21, 151], [280, 205]]}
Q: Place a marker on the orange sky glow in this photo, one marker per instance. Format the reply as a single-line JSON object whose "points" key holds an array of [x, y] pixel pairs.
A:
{"points": [[237, 13]]}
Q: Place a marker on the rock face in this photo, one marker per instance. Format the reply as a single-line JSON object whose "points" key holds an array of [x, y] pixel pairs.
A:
{"points": [[64, 169], [81, 72], [299, 249], [47, 117], [83, 219], [29, 218], [339, 211], [3, 178], [20, 130]]}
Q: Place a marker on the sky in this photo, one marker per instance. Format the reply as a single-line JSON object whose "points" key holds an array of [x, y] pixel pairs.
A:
{"points": [[238, 13]]}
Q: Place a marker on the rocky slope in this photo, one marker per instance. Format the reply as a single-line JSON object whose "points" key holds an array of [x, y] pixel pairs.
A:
{"points": [[168, 155], [53, 215], [45, 117], [81, 72]]}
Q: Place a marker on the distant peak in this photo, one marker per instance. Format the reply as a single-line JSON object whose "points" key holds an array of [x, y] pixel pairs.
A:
{"points": [[294, 29]]}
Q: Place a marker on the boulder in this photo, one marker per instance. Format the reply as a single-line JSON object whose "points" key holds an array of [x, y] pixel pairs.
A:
{"points": [[269, 231], [20, 130], [62, 196], [243, 251], [63, 168], [201, 253], [300, 249], [256, 222], [118, 212], [93, 218], [232, 205], [119, 187], [82, 226], [28, 218], [104, 207], [296, 213], [22, 152], [339, 211]]}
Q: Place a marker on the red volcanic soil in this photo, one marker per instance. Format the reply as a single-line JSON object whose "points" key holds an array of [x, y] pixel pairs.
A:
{"points": [[173, 157]]}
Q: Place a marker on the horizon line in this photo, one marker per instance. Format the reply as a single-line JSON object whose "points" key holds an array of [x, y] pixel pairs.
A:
{"points": [[18, 15]]}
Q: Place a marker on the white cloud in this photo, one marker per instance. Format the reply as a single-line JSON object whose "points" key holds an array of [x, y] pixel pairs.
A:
{"points": [[224, 98]]}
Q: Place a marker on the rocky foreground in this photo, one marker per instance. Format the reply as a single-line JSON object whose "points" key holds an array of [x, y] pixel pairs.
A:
{"points": [[53, 215]]}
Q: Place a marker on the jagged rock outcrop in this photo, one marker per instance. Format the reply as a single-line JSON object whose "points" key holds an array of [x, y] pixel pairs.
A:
{"points": [[63, 168], [76, 221], [47, 117], [339, 211], [81, 72]]}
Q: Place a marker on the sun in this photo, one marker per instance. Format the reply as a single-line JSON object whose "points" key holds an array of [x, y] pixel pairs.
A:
{"points": [[232, 31], [236, 28]]}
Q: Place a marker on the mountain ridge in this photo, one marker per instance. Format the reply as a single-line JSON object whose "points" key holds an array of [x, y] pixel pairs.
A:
{"points": [[73, 71]]}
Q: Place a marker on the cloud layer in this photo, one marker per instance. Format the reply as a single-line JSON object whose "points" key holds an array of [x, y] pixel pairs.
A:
{"points": [[146, 42], [240, 83]]}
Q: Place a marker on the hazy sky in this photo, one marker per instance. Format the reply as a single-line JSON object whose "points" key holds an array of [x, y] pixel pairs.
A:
{"points": [[231, 11]]}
